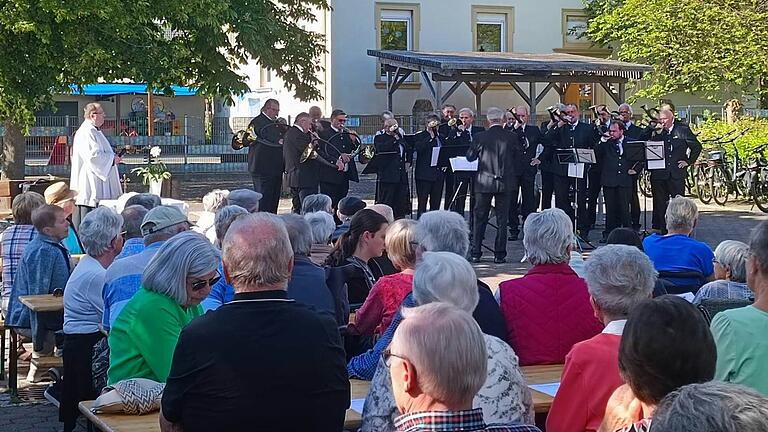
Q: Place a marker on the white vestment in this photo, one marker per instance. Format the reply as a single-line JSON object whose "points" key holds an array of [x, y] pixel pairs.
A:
{"points": [[94, 175]]}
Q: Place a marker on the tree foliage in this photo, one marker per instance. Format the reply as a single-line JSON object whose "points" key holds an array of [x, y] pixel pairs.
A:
{"points": [[712, 47]]}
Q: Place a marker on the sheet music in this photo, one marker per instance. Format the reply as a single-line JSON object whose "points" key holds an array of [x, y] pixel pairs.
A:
{"points": [[461, 163], [435, 155], [585, 155], [576, 170], [654, 153]]}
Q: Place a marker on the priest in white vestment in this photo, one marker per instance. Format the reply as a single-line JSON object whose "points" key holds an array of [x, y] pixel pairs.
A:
{"points": [[94, 165]]}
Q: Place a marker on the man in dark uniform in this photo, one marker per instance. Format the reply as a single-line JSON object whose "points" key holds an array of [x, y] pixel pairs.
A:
{"points": [[265, 156], [392, 176], [339, 145], [547, 166], [616, 178], [496, 151], [632, 133], [447, 131], [463, 136], [529, 138], [429, 179], [594, 185], [669, 182]]}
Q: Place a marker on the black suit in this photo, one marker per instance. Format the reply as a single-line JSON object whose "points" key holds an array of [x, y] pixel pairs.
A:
{"points": [[303, 178], [529, 138], [265, 162], [669, 182], [429, 179], [582, 135], [547, 170], [392, 175], [462, 138], [593, 177], [447, 134], [616, 182], [333, 182], [634, 133], [496, 151]]}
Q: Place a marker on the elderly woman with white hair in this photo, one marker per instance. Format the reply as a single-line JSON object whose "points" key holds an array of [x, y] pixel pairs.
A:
{"points": [[619, 277], [548, 310], [177, 279], [321, 226], [100, 234], [315, 203], [445, 277], [213, 201], [730, 282], [679, 259]]}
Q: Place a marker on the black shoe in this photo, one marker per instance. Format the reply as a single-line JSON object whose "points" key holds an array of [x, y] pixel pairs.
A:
{"points": [[512, 237], [499, 260], [474, 259]]}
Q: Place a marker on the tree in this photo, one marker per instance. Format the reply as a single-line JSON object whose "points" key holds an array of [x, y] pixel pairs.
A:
{"points": [[45, 46], [715, 48]]}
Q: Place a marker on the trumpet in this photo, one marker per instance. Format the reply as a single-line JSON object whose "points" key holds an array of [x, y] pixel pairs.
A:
{"points": [[365, 151], [244, 138], [515, 116], [395, 130], [452, 122], [556, 115], [433, 124]]}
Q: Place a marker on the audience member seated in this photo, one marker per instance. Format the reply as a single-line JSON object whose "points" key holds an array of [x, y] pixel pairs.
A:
{"points": [[363, 241], [730, 282], [444, 277], [59, 194], [348, 207], [133, 217], [213, 201], [389, 291], [315, 203], [15, 239], [666, 344], [321, 225], [123, 277], [712, 406], [618, 278], [438, 363], [307, 283], [436, 231], [245, 198], [677, 252], [175, 282], [222, 291], [261, 361], [83, 306], [630, 237], [146, 200], [548, 310], [382, 265], [44, 267], [740, 334]]}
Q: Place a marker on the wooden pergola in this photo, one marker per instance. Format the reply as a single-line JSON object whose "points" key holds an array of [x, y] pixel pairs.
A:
{"points": [[478, 70]]}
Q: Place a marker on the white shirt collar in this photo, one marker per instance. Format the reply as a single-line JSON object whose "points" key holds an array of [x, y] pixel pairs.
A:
{"points": [[297, 127], [615, 327]]}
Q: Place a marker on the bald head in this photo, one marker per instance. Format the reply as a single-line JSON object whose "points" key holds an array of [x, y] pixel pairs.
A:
{"points": [[385, 211]]}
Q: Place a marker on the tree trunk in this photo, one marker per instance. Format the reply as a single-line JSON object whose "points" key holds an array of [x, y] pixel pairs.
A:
{"points": [[14, 153]]}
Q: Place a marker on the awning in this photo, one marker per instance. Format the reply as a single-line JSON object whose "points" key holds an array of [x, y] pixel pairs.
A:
{"points": [[131, 88]]}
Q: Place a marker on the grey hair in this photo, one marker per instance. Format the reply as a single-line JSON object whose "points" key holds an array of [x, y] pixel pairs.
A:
{"points": [[214, 200], [321, 225], [712, 406], [385, 211], [495, 115], [133, 216], [467, 111], [224, 218], [257, 252], [299, 233], [443, 231], [447, 348], [732, 254], [547, 236], [628, 107], [445, 277], [146, 200], [317, 202], [98, 229], [758, 245], [618, 278], [681, 214], [186, 255], [386, 115], [522, 107], [90, 108]]}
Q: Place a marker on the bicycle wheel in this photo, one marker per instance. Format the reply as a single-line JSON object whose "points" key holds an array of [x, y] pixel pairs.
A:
{"points": [[644, 183], [719, 185], [704, 185], [760, 190]]}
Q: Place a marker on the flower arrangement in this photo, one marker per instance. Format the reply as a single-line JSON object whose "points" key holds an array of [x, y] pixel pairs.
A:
{"points": [[155, 170]]}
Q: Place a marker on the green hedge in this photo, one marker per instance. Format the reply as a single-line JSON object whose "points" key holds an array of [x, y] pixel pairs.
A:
{"points": [[712, 129]]}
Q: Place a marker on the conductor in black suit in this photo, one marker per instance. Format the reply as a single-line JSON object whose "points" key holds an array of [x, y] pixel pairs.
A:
{"points": [[339, 144], [392, 175], [429, 179], [669, 182], [446, 131], [496, 151], [529, 138], [464, 135], [616, 177], [265, 157]]}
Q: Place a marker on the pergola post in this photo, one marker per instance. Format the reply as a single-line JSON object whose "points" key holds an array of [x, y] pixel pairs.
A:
{"points": [[389, 90], [534, 100]]}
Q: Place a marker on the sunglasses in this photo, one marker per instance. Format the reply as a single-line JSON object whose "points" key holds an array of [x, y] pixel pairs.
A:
{"points": [[197, 286], [387, 355]]}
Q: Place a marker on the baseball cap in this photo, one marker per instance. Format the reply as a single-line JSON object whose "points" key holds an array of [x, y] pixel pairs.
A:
{"points": [[162, 217], [245, 198], [350, 205]]}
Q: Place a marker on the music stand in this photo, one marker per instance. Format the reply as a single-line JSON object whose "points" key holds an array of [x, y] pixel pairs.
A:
{"points": [[572, 157], [377, 162], [638, 152]]}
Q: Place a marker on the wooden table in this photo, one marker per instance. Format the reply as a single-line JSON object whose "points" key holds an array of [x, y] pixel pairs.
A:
{"points": [[542, 374], [43, 303]]}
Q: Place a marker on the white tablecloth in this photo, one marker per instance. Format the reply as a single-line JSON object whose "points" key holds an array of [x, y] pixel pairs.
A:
{"points": [[118, 204]]}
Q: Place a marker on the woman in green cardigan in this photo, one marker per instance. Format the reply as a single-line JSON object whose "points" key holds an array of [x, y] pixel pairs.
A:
{"points": [[176, 280]]}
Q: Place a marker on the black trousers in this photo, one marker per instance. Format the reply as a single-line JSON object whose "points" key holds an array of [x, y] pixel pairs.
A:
{"points": [[336, 191], [562, 186], [525, 205], [269, 186], [460, 190], [79, 214], [298, 195], [77, 384], [395, 195], [616, 208], [634, 204], [593, 192], [547, 189], [482, 212], [663, 191], [449, 179], [428, 191]]}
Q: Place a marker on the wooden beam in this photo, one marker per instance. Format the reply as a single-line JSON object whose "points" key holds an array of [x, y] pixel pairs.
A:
{"points": [[450, 91], [534, 101], [544, 92], [622, 92], [389, 89], [610, 93], [430, 86], [521, 93], [471, 87], [528, 78]]}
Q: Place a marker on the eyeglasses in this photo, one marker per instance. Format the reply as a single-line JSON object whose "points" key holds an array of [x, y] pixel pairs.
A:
{"points": [[387, 355], [197, 286], [341, 120]]}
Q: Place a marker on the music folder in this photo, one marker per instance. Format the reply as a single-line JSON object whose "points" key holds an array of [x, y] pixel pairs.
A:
{"points": [[379, 160], [635, 151], [446, 153]]}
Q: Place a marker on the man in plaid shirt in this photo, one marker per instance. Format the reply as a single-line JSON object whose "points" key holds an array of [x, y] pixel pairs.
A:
{"points": [[438, 363]]}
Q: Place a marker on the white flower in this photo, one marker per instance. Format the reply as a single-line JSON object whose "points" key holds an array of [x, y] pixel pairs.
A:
{"points": [[155, 151]]}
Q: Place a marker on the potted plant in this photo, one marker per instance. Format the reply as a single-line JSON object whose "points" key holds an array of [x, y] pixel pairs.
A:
{"points": [[154, 172]]}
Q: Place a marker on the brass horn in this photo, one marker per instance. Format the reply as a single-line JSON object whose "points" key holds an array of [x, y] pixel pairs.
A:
{"points": [[243, 138]]}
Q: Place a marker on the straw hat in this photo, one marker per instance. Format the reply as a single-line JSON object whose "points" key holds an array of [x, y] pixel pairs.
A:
{"points": [[58, 192]]}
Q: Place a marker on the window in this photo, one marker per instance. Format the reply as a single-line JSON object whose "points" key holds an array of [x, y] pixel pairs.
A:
{"points": [[574, 22], [397, 26], [492, 28]]}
